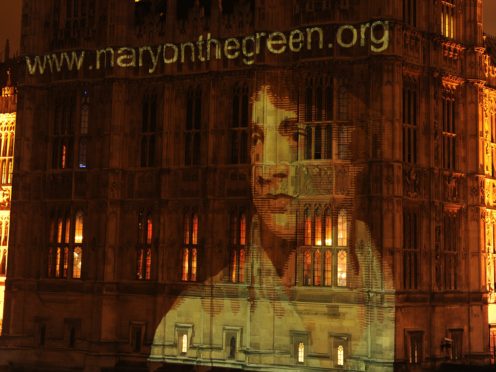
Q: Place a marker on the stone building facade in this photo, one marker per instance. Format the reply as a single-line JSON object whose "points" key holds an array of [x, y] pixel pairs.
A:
{"points": [[312, 190]]}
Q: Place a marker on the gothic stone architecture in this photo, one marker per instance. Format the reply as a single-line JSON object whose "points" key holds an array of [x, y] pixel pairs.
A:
{"points": [[309, 206]]}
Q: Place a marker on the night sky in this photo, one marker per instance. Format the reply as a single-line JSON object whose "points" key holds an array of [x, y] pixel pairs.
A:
{"points": [[10, 15]]}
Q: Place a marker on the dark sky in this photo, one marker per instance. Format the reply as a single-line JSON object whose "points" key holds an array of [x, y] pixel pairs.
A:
{"points": [[10, 15]]}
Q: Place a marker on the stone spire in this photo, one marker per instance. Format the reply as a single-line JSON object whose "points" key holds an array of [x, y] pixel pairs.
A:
{"points": [[8, 89]]}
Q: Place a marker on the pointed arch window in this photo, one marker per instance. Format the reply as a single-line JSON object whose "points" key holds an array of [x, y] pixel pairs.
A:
{"points": [[340, 355], [144, 247], [190, 248], [323, 259], [238, 247], [63, 132], [301, 352], [342, 228], [65, 250]]}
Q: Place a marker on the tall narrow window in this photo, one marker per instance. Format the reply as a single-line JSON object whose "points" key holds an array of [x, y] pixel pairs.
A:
{"points": [[83, 130], [328, 268], [448, 18], [238, 248], [239, 125], [308, 228], [317, 269], [415, 348], [184, 343], [307, 268], [65, 250], [411, 254], [410, 115], [301, 352], [7, 152], [192, 146], [318, 114], [410, 12], [342, 229], [342, 268], [190, 249], [63, 133], [148, 130], [450, 251], [318, 227], [449, 130], [144, 247], [340, 355], [328, 227]]}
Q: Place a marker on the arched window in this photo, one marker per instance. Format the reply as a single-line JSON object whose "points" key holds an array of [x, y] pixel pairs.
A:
{"points": [[340, 355], [238, 248], [301, 352], [317, 269], [308, 227], [65, 250], [307, 268], [184, 343], [144, 248], [328, 268], [342, 229], [328, 227], [190, 249], [342, 268], [318, 227]]}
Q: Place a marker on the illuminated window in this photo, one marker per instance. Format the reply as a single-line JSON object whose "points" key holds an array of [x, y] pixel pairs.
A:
{"points": [[317, 257], [301, 352], [410, 12], [340, 355], [317, 270], [7, 152], [3, 262], [342, 229], [449, 130], [239, 125], [148, 130], [448, 18], [66, 246], [410, 117], [184, 343], [411, 254], [342, 268], [63, 132], [190, 248], [238, 248], [192, 146], [144, 247]]}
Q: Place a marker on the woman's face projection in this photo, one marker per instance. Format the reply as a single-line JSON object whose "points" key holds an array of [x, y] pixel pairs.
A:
{"points": [[274, 148]]}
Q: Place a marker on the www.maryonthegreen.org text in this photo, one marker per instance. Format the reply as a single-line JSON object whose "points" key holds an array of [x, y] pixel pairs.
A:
{"points": [[372, 34]]}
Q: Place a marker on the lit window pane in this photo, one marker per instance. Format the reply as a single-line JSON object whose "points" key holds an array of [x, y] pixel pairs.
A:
{"points": [[328, 230], [185, 264], [149, 231], [307, 268], [234, 266], [78, 236], [340, 355], [242, 266], [316, 268], [77, 260], [194, 236], [308, 230], [184, 343], [318, 229], [242, 230], [342, 268], [301, 352], [193, 265], [342, 229], [328, 268]]}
